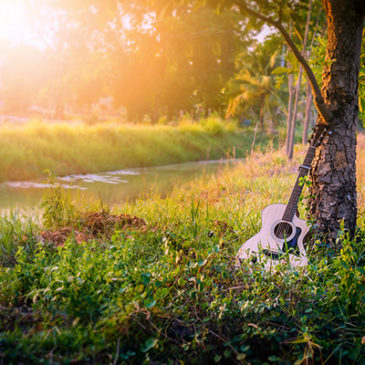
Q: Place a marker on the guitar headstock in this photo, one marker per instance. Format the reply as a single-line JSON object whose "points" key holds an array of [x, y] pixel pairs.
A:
{"points": [[319, 132]]}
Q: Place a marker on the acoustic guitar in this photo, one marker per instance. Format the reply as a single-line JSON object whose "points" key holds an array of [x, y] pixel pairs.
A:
{"points": [[282, 231]]}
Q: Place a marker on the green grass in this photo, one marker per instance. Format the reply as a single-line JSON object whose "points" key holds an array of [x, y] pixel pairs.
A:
{"points": [[26, 151], [172, 293]]}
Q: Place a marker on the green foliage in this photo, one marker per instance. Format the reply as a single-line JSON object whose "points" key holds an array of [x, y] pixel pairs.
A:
{"points": [[281, 70], [214, 126], [163, 120], [318, 57], [186, 287], [254, 89], [183, 60], [64, 149], [15, 231], [58, 208], [173, 292]]}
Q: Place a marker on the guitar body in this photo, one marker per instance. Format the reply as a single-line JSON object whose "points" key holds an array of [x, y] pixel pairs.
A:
{"points": [[277, 237]]}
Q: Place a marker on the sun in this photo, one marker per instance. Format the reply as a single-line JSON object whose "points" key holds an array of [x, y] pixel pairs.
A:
{"points": [[15, 21]]}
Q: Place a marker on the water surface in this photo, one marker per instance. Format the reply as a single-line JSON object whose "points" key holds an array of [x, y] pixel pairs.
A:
{"points": [[111, 187]]}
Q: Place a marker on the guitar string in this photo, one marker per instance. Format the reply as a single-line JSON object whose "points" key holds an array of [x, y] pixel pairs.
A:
{"points": [[282, 226], [308, 158]]}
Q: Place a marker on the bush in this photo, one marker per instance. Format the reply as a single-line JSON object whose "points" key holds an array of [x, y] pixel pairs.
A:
{"points": [[214, 126], [163, 120]]}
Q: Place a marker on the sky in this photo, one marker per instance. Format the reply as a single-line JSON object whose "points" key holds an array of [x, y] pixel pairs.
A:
{"points": [[16, 27], [15, 22], [21, 22]]}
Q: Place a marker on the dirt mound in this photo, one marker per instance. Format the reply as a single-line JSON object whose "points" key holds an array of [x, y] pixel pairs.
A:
{"points": [[57, 237], [103, 223], [94, 225]]}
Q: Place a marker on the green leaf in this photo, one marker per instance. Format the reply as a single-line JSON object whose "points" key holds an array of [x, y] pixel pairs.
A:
{"points": [[149, 344], [282, 70], [149, 303], [274, 358], [146, 278], [244, 348], [241, 357], [217, 358], [362, 104]]}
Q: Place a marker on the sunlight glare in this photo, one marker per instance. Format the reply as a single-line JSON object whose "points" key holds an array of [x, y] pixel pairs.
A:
{"points": [[15, 21]]}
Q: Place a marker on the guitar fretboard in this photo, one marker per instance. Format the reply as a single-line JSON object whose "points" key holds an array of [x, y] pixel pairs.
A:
{"points": [[298, 187]]}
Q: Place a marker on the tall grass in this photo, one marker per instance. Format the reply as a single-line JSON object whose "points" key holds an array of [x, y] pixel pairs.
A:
{"points": [[172, 293], [26, 151]]}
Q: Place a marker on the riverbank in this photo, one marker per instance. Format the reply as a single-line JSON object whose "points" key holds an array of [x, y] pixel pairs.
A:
{"points": [[156, 281], [64, 149]]}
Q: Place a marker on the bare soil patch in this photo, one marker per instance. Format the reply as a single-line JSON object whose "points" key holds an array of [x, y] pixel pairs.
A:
{"points": [[94, 225]]}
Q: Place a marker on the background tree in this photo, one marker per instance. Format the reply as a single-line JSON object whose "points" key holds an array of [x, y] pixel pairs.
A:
{"points": [[182, 60], [162, 66], [254, 88], [291, 136], [333, 171]]}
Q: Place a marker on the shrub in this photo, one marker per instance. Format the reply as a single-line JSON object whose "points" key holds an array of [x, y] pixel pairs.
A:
{"points": [[214, 126]]}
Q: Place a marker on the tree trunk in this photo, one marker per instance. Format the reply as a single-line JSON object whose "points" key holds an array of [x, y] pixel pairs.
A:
{"points": [[333, 171], [261, 116], [254, 138], [290, 104], [294, 117], [308, 114], [288, 121], [308, 121], [297, 91]]}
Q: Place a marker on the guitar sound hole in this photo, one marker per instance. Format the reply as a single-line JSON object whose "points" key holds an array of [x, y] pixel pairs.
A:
{"points": [[283, 230]]}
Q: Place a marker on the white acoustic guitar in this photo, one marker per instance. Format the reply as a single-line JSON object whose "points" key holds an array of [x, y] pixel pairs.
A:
{"points": [[282, 231]]}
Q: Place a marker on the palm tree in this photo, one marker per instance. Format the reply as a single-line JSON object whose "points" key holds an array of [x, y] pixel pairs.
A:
{"points": [[254, 89]]}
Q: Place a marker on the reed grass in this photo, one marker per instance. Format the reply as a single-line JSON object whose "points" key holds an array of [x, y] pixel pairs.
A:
{"points": [[63, 148]]}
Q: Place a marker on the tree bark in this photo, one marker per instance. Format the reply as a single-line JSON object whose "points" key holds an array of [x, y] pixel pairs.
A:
{"points": [[290, 103], [294, 117], [308, 107], [254, 138], [333, 170], [261, 115], [288, 121], [308, 114]]}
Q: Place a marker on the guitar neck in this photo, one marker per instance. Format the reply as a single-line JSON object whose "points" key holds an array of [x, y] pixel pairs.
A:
{"points": [[298, 187]]}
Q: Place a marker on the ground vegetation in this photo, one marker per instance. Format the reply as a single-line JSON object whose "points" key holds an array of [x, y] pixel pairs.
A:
{"points": [[156, 280]]}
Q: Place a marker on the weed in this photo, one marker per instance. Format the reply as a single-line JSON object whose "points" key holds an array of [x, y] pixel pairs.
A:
{"points": [[58, 208], [15, 230], [173, 294]]}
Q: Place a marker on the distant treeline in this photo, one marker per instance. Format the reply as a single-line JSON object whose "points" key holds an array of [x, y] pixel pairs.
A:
{"points": [[132, 63]]}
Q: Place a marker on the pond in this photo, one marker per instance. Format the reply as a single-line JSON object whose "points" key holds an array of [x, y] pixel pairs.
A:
{"points": [[111, 187]]}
